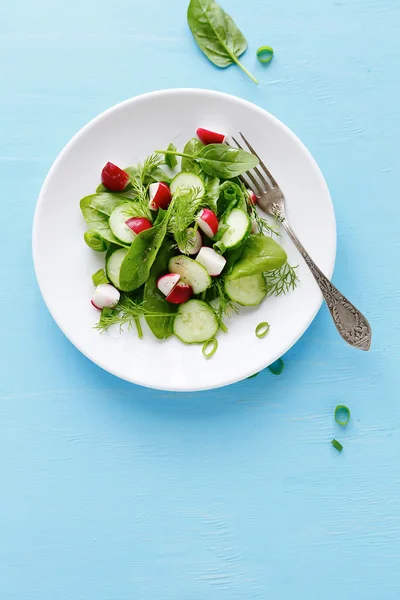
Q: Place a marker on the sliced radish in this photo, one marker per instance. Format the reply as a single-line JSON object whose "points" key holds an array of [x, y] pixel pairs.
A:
{"points": [[194, 242], [251, 196], [208, 222], [181, 293], [160, 195], [166, 283], [138, 224], [105, 296], [191, 272], [211, 260], [210, 137], [114, 178]]}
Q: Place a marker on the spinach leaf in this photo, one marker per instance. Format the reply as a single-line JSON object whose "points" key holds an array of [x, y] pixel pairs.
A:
{"points": [[216, 34], [230, 196], [150, 175], [154, 301], [170, 159], [212, 191], [137, 263], [225, 162], [128, 192], [260, 254], [96, 210], [192, 148]]}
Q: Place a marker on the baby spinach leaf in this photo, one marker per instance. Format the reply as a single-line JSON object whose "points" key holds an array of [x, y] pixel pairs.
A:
{"points": [[216, 34], [96, 210], [151, 175], [212, 191], [260, 254], [225, 162], [154, 301], [127, 193], [137, 263], [230, 196], [170, 159], [192, 148]]}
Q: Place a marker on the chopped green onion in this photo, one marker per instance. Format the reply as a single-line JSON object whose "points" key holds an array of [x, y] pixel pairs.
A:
{"points": [[210, 347], [342, 414], [265, 54], [95, 241], [139, 328], [262, 329], [337, 445], [219, 247], [99, 277], [277, 367], [252, 376]]}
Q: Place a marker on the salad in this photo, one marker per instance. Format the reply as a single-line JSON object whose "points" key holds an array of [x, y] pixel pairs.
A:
{"points": [[184, 245]]}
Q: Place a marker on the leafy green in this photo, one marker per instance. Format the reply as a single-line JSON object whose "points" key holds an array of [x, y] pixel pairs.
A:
{"points": [[216, 34], [183, 212], [154, 301], [230, 196], [96, 210], [192, 148], [128, 192], [220, 160], [127, 312], [135, 267], [170, 159], [212, 191], [148, 172], [260, 254], [99, 277]]}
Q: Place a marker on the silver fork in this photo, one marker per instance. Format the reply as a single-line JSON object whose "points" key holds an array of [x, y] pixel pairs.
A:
{"points": [[350, 322]]}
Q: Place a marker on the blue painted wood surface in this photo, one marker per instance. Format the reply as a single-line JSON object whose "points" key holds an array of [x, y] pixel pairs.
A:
{"points": [[112, 492]]}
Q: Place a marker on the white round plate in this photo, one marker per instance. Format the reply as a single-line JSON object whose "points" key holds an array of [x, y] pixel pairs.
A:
{"points": [[125, 134]]}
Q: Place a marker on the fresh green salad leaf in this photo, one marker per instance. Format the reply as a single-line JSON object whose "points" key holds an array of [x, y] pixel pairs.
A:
{"points": [[192, 148], [216, 34], [186, 205], [170, 159], [148, 172], [260, 254], [141, 255], [96, 210], [212, 191], [128, 192], [154, 301], [230, 196]]}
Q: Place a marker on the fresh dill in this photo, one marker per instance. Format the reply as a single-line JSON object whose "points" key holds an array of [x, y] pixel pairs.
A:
{"points": [[263, 226], [281, 280], [186, 205], [126, 313], [140, 175], [223, 305]]}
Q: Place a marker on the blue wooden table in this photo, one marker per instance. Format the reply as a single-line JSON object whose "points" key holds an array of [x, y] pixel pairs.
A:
{"points": [[113, 492]]}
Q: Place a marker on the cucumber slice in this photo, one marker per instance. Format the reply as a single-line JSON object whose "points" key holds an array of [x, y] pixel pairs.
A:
{"points": [[191, 272], [239, 228], [113, 265], [185, 181], [195, 322], [118, 226], [247, 291]]}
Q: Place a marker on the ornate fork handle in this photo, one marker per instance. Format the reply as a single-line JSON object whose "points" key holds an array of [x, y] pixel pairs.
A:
{"points": [[349, 321]]}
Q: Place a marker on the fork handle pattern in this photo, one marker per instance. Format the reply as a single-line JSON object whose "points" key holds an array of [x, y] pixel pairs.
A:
{"points": [[350, 322]]}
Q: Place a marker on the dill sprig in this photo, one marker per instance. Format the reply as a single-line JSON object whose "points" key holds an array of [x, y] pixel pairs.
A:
{"points": [[281, 280], [186, 205], [140, 174], [126, 313], [223, 305], [263, 225]]}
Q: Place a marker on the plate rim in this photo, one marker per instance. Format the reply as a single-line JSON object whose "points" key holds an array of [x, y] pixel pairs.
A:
{"points": [[92, 123]]}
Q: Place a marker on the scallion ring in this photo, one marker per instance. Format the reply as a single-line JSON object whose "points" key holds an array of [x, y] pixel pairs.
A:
{"points": [[342, 414], [210, 348], [337, 445], [277, 367], [265, 54], [262, 329], [219, 247]]}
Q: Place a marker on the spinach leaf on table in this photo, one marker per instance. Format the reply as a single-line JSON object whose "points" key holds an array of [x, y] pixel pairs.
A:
{"points": [[154, 301], [191, 148], [141, 255], [260, 254], [216, 34], [96, 210]]}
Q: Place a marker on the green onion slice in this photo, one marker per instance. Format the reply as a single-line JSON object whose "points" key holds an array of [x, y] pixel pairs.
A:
{"points": [[342, 414], [219, 247], [99, 277], [265, 54], [262, 329], [337, 445], [210, 348], [277, 367]]}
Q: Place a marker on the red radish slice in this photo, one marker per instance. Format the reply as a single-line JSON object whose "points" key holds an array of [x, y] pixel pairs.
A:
{"points": [[114, 178], [181, 293], [160, 195], [251, 196], [166, 283], [208, 222], [138, 224], [194, 243], [105, 296], [210, 137], [211, 261]]}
